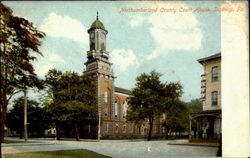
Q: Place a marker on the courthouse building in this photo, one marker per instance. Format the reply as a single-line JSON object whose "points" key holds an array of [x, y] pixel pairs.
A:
{"points": [[112, 101], [206, 125]]}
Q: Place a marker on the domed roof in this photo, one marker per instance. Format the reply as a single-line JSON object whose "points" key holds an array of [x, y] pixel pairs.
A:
{"points": [[97, 24]]}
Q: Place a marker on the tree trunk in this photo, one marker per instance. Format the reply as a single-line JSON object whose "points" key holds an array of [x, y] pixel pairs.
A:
{"points": [[77, 132], [150, 128], [0, 117], [4, 110], [58, 136], [1, 131]]}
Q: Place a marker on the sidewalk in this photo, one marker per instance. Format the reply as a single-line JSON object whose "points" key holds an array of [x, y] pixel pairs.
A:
{"points": [[186, 142]]}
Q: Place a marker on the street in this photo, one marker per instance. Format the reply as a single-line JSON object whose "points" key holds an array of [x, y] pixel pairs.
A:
{"points": [[116, 148]]}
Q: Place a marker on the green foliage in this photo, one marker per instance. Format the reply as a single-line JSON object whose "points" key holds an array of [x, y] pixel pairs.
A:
{"points": [[36, 115], [194, 105], [20, 41], [151, 98], [177, 117], [71, 99]]}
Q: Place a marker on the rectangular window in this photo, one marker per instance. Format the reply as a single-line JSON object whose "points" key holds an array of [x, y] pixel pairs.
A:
{"points": [[214, 98], [215, 74], [106, 127]]}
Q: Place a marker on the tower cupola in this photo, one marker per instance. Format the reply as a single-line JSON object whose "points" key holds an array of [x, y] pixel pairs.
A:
{"points": [[98, 56], [97, 37]]}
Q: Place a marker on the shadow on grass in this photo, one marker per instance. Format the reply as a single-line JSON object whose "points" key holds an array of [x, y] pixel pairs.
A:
{"points": [[58, 154]]}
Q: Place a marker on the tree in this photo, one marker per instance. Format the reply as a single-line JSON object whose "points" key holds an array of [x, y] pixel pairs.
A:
{"points": [[195, 105], [19, 38], [73, 100], [151, 98], [50, 101], [176, 118], [37, 118]]}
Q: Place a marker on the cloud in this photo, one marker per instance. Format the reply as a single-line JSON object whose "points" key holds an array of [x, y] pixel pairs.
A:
{"points": [[49, 61], [136, 21], [179, 31], [171, 31], [124, 58], [66, 27]]}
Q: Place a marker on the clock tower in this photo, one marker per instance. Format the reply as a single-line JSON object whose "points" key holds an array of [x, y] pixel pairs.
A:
{"points": [[98, 56], [98, 69]]}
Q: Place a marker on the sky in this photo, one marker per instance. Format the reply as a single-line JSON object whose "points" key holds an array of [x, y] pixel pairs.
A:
{"points": [[168, 38]]}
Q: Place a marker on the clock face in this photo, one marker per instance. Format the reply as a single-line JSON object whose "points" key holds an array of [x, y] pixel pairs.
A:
{"points": [[92, 35]]}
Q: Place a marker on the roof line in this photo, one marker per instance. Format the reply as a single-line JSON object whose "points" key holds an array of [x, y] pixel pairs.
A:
{"points": [[122, 90], [218, 55]]}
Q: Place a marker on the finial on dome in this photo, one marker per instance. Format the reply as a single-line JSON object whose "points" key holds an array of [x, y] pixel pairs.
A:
{"points": [[97, 16]]}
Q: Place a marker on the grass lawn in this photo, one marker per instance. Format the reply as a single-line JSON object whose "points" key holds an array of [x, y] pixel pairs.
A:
{"points": [[58, 154]]}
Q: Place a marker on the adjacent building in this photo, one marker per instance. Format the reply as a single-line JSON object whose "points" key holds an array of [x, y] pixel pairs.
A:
{"points": [[206, 125]]}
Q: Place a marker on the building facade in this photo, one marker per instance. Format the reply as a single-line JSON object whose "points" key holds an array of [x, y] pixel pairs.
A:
{"points": [[206, 125], [112, 101]]}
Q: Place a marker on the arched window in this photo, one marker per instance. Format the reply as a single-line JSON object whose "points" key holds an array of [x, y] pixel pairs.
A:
{"points": [[106, 97], [116, 108], [124, 128], [106, 111], [116, 128], [124, 109]]}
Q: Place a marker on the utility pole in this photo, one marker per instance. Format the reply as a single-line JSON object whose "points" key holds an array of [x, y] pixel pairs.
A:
{"points": [[99, 119], [25, 116], [99, 107], [1, 83]]}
